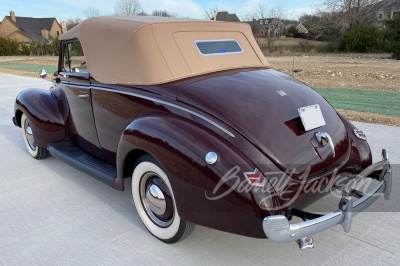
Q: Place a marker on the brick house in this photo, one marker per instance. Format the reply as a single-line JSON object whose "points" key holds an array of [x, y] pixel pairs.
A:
{"points": [[26, 29]]}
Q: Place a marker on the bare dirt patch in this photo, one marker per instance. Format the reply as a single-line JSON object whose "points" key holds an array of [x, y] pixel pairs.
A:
{"points": [[41, 60], [22, 73], [354, 71]]}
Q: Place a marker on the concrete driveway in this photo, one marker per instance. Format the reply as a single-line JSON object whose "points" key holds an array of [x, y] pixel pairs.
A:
{"points": [[52, 214]]}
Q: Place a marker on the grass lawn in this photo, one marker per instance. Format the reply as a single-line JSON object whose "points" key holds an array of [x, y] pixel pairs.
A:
{"points": [[381, 102], [27, 67]]}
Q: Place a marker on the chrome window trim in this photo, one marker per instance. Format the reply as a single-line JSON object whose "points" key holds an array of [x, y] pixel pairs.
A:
{"points": [[219, 40], [170, 104]]}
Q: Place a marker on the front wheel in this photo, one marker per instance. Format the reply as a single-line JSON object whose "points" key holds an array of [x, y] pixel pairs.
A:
{"points": [[36, 152], [155, 202]]}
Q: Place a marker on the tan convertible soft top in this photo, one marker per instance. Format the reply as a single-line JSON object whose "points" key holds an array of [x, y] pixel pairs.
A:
{"points": [[143, 50]]}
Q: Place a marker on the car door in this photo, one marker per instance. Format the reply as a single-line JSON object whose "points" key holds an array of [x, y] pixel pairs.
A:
{"points": [[74, 80]]}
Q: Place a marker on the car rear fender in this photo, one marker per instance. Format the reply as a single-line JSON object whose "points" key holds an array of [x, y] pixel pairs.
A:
{"points": [[180, 146], [42, 110], [359, 147]]}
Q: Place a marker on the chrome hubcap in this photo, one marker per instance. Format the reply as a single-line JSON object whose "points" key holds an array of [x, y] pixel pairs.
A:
{"points": [[29, 135], [156, 199]]}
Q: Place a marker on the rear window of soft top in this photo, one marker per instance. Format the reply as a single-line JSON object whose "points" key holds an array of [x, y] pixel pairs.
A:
{"points": [[218, 47]]}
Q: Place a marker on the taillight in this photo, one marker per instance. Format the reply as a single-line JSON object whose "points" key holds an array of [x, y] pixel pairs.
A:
{"points": [[359, 134], [255, 178]]}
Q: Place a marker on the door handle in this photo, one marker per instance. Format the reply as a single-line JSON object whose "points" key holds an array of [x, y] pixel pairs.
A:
{"points": [[83, 95]]}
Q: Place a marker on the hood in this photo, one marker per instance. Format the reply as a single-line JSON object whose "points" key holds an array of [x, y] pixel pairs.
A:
{"points": [[249, 102]]}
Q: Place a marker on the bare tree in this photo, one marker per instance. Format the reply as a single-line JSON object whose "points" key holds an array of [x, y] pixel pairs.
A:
{"points": [[273, 27], [352, 13], [209, 14], [325, 26], [91, 12], [258, 12], [164, 13], [142, 13], [72, 22], [127, 7], [278, 12]]}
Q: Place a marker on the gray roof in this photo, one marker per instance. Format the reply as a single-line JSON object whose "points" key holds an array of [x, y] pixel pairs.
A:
{"points": [[32, 27], [225, 16], [389, 6]]}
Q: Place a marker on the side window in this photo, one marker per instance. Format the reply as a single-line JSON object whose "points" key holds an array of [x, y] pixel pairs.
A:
{"points": [[74, 59], [65, 57]]}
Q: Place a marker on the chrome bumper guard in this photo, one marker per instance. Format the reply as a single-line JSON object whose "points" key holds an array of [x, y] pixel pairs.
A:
{"points": [[278, 229]]}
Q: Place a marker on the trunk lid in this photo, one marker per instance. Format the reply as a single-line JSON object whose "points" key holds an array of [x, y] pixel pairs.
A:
{"points": [[250, 101]]}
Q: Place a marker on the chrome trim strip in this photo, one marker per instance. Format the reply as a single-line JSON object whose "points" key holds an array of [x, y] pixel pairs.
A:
{"points": [[170, 104], [278, 229]]}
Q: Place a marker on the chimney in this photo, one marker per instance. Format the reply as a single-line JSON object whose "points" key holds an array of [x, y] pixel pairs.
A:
{"points": [[215, 15], [12, 15], [64, 27]]}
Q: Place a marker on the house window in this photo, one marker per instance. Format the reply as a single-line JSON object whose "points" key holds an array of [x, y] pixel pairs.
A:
{"points": [[74, 59], [380, 16], [218, 47], [261, 22], [58, 33]]}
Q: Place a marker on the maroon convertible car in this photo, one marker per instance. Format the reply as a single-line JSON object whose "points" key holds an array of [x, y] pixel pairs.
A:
{"points": [[209, 134]]}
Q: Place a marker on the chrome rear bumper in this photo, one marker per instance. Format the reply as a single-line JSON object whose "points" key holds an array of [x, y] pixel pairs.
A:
{"points": [[278, 229]]}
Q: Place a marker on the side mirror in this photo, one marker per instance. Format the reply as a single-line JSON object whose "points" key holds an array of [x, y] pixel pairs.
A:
{"points": [[42, 73]]}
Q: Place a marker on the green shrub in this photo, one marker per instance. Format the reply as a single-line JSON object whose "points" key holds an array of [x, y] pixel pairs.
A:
{"points": [[393, 27], [36, 48], [9, 47], [306, 46], [396, 45], [330, 47], [362, 39], [55, 46], [24, 49], [292, 31]]}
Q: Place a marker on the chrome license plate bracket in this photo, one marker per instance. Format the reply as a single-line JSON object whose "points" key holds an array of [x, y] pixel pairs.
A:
{"points": [[311, 117]]}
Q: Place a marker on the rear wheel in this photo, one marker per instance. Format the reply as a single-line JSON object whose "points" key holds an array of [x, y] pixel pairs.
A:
{"points": [[36, 152], [155, 203]]}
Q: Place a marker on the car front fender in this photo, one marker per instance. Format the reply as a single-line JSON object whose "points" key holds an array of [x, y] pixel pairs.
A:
{"points": [[180, 146], [42, 110]]}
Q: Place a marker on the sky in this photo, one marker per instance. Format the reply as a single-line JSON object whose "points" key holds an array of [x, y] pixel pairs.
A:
{"points": [[63, 9]]}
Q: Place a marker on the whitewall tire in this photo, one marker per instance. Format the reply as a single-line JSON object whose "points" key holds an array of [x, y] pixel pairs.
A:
{"points": [[27, 134], [155, 203]]}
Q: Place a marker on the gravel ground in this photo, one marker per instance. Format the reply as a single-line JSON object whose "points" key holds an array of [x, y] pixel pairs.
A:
{"points": [[366, 72]]}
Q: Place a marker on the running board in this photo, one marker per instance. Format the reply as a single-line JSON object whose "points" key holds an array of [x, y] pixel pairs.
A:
{"points": [[67, 152]]}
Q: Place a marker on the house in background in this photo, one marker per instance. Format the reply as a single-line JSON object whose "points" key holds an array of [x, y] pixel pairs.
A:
{"points": [[387, 11], [272, 26], [302, 29], [26, 29]]}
